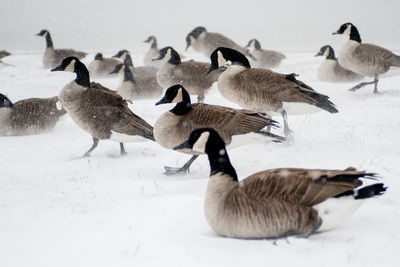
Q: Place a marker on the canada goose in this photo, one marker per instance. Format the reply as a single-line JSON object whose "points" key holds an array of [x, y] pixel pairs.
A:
{"points": [[101, 66], [137, 88], [29, 116], [365, 59], [151, 53], [277, 202], [174, 126], [206, 42], [137, 71], [4, 53], [263, 90], [264, 58], [52, 57], [190, 74], [98, 110], [331, 71]]}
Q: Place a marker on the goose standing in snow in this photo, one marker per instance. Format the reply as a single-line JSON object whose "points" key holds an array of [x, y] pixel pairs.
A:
{"points": [[151, 53], [52, 57], [29, 116], [174, 126], [139, 87], [206, 42], [365, 59], [263, 90], [277, 202], [331, 71], [101, 66], [142, 71], [98, 110], [263, 58], [190, 74]]}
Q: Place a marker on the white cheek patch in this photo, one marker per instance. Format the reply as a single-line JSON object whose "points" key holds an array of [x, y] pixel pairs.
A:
{"points": [[326, 52], [221, 59], [348, 30], [178, 98], [192, 39], [71, 66], [200, 145], [168, 54]]}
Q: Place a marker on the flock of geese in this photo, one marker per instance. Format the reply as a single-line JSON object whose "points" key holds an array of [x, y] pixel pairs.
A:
{"points": [[268, 204]]}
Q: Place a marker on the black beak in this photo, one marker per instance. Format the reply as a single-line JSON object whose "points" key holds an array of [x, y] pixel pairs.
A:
{"points": [[184, 145], [319, 54], [114, 71], [158, 58], [38, 34], [58, 68], [333, 33], [212, 67], [162, 101]]}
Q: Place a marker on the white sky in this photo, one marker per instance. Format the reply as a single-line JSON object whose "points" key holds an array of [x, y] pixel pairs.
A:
{"points": [[106, 25]]}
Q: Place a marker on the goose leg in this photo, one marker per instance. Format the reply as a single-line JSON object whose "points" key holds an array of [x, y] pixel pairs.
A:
{"points": [[360, 85], [181, 170], [200, 98], [95, 143], [376, 84], [123, 152], [286, 129]]}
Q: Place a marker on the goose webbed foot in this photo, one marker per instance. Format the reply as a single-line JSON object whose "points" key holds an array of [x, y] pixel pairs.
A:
{"points": [[182, 170], [95, 143]]}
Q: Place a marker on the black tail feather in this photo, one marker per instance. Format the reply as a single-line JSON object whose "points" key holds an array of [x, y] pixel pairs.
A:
{"points": [[370, 191]]}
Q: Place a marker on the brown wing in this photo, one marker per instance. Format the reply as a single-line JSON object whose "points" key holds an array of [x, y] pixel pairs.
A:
{"points": [[70, 52], [39, 112], [197, 71], [266, 84], [98, 95], [301, 186], [370, 54], [226, 121]]}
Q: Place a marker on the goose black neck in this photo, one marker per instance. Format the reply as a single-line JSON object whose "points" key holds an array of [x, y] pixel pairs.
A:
{"points": [[331, 54], [355, 35], [175, 58], [184, 106], [128, 60], [82, 75], [154, 44], [49, 42], [219, 162], [128, 76]]}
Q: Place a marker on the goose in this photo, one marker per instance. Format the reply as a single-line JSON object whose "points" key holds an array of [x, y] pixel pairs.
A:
{"points": [[101, 66], [151, 53], [52, 57], [98, 110], [331, 71], [4, 53], [365, 59], [206, 42], [276, 202], [174, 126], [137, 71], [263, 90], [263, 58], [137, 88], [29, 116], [190, 74]]}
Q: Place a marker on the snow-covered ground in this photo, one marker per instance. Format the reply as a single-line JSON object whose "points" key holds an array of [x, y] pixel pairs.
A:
{"points": [[60, 210]]}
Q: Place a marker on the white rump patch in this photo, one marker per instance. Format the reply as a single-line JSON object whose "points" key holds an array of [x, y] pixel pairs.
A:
{"points": [[335, 211], [249, 138], [71, 66], [126, 138], [296, 108], [200, 145], [221, 59], [178, 98]]}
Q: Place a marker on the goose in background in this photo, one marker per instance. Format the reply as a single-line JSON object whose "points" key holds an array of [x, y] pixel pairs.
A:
{"points": [[29, 116], [139, 87], [263, 90], [331, 71], [206, 42], [98, 110], [365, 59], [52, 57], [142, 71], [151, 53], [263, 58], [234, 125], [4, 53], [190, 74], [101, 66], [277, 202]]}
